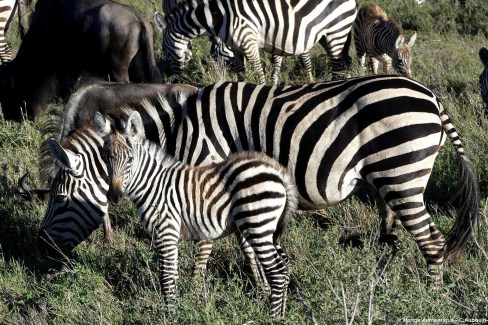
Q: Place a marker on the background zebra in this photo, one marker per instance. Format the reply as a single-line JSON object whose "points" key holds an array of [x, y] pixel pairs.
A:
{"points": [[333, 137], [484, 78], [382, 39], [281, 27], [7, 12], [248, 193], [224, 55]]}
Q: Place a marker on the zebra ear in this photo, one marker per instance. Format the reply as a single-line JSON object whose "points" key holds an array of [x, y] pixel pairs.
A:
{"points": [[65, 157], [101, 124], [399, 41], [135, 125], [159, 21], [412, 39], [484, 56]]}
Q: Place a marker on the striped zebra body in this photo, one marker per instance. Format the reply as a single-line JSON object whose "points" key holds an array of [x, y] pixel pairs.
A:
{"points": [[332, 137], [381, 39], [247, 26], [7, 12], [484, 78], [248, 192]]}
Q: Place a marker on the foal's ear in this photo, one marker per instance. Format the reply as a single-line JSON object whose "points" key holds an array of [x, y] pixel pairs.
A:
{"points": [[65, 157], [159, 21], [412, 39], [399, 41], [101, 124], [134, 124]]}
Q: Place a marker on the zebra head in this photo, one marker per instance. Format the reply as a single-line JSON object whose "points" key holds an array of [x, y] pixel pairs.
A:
{"points": [[77, 200], [118, 151], [402, 56], [484, 77]]}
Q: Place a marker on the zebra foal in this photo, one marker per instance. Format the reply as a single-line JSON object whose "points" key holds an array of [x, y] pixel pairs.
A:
{"points": [[248, 192], [382, 39], [484, 78]]}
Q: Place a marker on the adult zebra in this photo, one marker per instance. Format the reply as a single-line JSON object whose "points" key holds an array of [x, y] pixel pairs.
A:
{"points": [[224, 55], [382, 39], [281, 27], [484, 78], [381, 130], [7, 12]]}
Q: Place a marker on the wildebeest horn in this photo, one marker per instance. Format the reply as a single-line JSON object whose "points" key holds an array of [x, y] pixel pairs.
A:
{"points": [[28, 193]]}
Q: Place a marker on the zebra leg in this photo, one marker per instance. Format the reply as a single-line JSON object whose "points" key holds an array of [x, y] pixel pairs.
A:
{"points": [[107, 229], [362, 62], [386, 63], [307, 64], [276, 60], [389, 221], [166, 246], [417, 221], [256, 267], [274, 267], [373, 65], [204, 251], [251, 52], [5, 53]]}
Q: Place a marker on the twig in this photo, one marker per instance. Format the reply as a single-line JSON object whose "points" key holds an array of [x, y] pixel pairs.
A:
{"points": [[310, 315]]}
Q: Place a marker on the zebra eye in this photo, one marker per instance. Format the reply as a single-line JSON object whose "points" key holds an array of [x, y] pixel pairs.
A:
{"points": [[60, 198]]}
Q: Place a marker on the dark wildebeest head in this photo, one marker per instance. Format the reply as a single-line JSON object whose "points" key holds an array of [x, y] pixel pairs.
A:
{"points": [[67, 38]]}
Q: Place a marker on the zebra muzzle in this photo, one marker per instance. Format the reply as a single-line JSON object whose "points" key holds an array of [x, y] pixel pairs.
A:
{"points": [[115, 192]]}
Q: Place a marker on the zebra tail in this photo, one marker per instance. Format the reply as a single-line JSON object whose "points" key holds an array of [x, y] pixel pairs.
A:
{"points": [[469, 196], [147, 48], [290, 207]]}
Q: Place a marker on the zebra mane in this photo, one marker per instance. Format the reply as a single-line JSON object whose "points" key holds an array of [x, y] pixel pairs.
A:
{"points": [[74, 141], [155, 150]]}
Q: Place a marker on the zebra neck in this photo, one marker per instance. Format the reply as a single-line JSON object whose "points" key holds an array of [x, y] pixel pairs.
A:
{"points": [[386, 36], [200, 24], [150, 167]]}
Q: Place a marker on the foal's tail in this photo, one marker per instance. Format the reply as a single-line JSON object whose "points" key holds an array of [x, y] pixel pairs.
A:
{"points": [[146, 38], [469, 196], [291, 204]]}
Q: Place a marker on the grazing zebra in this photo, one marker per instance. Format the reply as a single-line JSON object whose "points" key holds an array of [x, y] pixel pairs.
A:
{"points": [[248, 193], [484, 78], [282, 27], [224, 55], [382, 39], [7, 12], [381, 130]]}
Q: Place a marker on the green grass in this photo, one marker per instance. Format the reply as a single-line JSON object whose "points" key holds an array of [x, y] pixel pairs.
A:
{"points": [[340, 271]]}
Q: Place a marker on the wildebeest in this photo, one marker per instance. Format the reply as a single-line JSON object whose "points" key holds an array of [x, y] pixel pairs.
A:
{"points": [[70, 37]]}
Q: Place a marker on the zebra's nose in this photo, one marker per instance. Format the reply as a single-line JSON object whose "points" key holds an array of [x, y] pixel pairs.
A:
{"points": [[114, 193]]}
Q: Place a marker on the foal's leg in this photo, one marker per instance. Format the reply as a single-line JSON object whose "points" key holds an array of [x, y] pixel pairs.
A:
{"points": [[276, 61], [256, 267], [274, 267], [107, 229], [167, 249], [204, 251]]}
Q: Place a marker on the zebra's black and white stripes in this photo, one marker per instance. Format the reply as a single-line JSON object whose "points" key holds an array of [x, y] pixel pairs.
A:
{"points": [[332, 137], [7, 12], [484, 78], [382, 39], [248, 192], [281, 27]]}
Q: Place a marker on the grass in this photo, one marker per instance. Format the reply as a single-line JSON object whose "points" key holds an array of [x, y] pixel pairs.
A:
{"points": [[340, 272]]}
